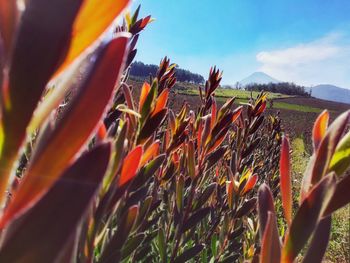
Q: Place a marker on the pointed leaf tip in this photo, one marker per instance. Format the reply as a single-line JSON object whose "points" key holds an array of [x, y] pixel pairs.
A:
{"points": [[285, 183]]}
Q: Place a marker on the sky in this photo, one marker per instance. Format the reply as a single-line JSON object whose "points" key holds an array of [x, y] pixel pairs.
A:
{"points": [[301, 41]]}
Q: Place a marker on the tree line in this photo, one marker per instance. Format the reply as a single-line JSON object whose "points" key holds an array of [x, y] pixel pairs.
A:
{"points": [[139, 69], [282, 87]]}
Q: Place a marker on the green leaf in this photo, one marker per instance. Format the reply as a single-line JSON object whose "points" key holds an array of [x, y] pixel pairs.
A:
{"points": [[341, 157], [66, 203], [162, 245], [180, 193]]}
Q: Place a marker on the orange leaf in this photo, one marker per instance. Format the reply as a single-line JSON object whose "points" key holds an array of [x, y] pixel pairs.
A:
{"points": [[261, 108], [285, 184], [250, 184], [58, 145], [320, 128], [101, 131], [130, 165], [150, 153], [161, 101], [144, 92], [237, 112], [93, 19]]}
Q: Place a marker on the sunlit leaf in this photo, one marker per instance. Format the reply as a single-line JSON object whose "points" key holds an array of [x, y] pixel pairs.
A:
{"points": [[320, 128], [71, 130], [93, 19], [250, 184], [285, 181], [320, 161], [161, 102], [236, 113], [150, 153], [341, 157], [35, 57], [144, 93], [131, 164]]}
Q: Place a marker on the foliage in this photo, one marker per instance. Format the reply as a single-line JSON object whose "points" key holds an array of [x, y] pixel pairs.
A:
{"points": [[139, 69], [103, 177]]}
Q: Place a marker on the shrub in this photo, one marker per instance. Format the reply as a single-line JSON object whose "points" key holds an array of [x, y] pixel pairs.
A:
{"points": [[103, 177]]}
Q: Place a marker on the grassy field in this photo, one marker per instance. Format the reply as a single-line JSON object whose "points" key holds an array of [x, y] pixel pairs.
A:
{"points": [[228, 93], [295, 107], [242, 96]]}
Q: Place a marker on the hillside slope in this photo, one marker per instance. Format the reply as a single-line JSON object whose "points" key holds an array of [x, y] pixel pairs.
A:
{"points": [[331, 92]]}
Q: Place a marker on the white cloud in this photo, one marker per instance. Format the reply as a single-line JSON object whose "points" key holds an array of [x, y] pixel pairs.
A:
{"points": [[325, 60]]}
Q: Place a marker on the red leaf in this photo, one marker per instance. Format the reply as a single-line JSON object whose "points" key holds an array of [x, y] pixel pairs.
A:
{"points": [[341, 196], [8, 22], [72, 129], [265, 205], [130, 165], [285, 184], [236, 113], [65, 203], [307, 218], [319, 242], [213, 113], [270, 243], [320, 160], [35, 57]]}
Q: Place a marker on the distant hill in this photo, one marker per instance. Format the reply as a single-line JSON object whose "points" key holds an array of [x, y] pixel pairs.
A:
{"points": [[331, 92], [258, 78]]}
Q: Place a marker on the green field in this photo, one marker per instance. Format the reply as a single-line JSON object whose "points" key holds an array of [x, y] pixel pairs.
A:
{"points": [[229, 93], [242, 96], [295, 107]]}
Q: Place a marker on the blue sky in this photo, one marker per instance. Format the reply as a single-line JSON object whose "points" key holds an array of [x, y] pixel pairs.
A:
{"points": [[305, 41]]}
